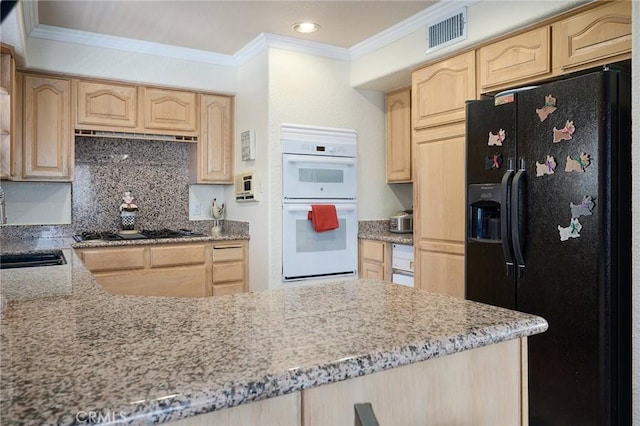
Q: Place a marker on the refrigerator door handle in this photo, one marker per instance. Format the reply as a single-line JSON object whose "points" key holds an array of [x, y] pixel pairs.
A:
{"points": [[505, 218], [518, 220]]}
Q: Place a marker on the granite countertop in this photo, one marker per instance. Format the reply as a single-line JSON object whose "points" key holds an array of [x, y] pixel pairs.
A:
{"points": [[388, 236], [225, 236], [156, 359]]}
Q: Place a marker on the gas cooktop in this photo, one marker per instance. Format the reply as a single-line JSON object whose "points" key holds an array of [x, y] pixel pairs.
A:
{"points": [[144, 234]]}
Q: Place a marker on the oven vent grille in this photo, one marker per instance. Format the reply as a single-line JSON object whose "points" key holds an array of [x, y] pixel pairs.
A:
{"points": [[132, 135], [447, 31]]}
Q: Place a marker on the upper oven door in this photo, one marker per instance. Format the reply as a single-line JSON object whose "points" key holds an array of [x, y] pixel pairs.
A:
{"points": [[319, 177]]}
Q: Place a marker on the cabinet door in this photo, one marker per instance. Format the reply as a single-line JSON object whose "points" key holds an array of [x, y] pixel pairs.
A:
{"points": [[47, 136], [593, 38], [440, 268], [439, 209], [515, 60], [481, 386], [169, 282], [169, 111], [439, 91], [373, 260], [102, 105], [215, 146], [370, 270], [7, 113], [398, 136]]}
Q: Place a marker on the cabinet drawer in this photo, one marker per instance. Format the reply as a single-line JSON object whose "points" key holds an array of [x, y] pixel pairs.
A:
{"points": [[373, 250], [224, 272], [183, 282], [177, 255], [230, 288], [113, 259], [223, 253]]}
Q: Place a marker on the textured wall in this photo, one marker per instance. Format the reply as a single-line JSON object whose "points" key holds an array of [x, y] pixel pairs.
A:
{"points": [[251, 113], [311, 90], [155, 172]]}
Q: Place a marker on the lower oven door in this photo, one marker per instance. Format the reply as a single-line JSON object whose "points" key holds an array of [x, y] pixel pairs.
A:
{"points": [[307, 254]]}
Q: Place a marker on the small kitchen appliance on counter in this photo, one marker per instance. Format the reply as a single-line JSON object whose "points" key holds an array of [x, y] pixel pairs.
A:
{"points": [[401, 223]]}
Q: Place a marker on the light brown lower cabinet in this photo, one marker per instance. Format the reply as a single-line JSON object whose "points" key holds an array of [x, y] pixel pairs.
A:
{"points": [[172, 270], [229, 268], [482, 386], [374, 260]]}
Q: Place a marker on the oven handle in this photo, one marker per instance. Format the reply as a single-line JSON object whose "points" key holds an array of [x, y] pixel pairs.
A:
{"points": [[323, 160], [306, 208]]}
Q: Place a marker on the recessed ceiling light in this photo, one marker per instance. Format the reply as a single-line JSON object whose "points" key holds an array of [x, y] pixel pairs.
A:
{"points": [[306, 27]]}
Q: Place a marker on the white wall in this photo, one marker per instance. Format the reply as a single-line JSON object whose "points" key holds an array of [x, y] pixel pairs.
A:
{"points": [[201, 200], [389, 67], [251, 113], [37, 203], [636, 213], [310, 90], [90, 61]]}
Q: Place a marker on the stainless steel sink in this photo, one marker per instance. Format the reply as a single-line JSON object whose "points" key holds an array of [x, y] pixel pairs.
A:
{"points": [[29, 260]]}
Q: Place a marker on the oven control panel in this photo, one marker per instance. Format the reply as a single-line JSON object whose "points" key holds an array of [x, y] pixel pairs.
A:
{"points": [[329, 149]]}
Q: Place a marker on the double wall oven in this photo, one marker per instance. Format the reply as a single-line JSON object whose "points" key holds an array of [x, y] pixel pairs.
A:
{"points": [[319, 167]]}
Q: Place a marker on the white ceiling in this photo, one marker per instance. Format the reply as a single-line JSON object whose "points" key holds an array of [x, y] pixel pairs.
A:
{"points": [[225, 27]]}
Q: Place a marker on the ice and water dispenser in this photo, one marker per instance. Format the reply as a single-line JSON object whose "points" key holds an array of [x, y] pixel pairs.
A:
{"points": [[484, 212]]}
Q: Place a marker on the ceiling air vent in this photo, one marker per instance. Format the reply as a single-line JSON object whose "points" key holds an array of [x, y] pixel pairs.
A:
{"points": [[447, 31]]}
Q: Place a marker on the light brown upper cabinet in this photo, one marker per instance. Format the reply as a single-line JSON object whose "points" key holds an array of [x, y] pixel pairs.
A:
{"points": [[214, 158], [398, 135], [7, 111], [596, 37], [439, 91], [106, 106], [170, 111], [515, 60], [47, 137], [121, 107]]}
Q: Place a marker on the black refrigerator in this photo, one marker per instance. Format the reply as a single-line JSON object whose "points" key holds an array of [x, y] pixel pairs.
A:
{"points": [[548, 173]]}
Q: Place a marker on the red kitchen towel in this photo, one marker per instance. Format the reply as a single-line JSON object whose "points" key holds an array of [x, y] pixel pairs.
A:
{"points": [[323, 217]]}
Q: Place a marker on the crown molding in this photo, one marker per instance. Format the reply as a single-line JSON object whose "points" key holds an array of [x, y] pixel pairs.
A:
{"points": [[130, 45], [304, 46], [262, 42], [251, 49], [30, 15], [266, 40], [408, 26]]}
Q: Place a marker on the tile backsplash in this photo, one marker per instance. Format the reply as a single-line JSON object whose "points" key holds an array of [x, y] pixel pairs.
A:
{"points": [[156, 173]]}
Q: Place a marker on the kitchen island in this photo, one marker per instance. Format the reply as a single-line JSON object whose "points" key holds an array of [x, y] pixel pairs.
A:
{"points": [[78, 351]]}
